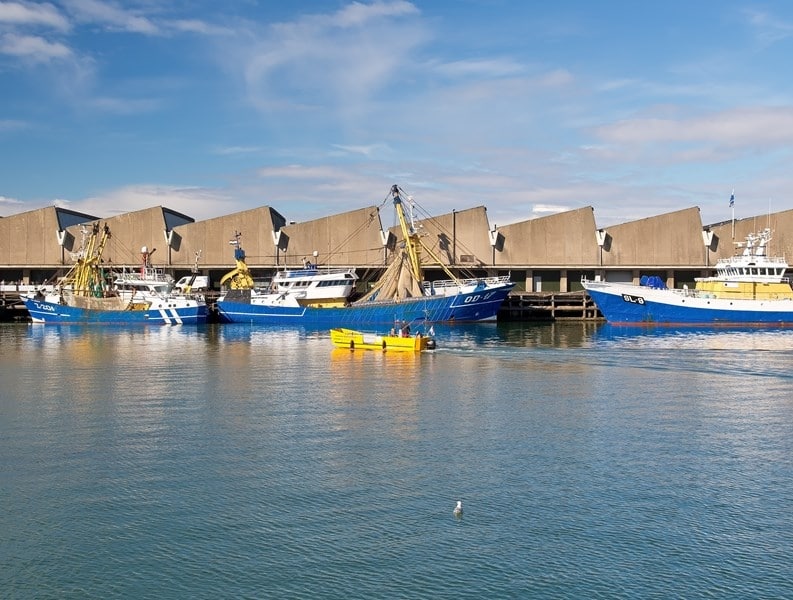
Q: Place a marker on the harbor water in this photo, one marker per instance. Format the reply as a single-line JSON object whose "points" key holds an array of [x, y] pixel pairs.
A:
{"points": [[244, 462]]}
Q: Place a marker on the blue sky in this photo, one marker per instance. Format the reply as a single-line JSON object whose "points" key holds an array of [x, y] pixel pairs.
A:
{"points": [[317, 107]]}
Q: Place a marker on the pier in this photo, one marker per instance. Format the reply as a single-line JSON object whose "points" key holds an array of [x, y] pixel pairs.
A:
{"points": [[549, 306], [12, 308]]}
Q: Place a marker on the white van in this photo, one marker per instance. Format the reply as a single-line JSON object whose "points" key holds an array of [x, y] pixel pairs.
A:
{"points": [[193, 283]]}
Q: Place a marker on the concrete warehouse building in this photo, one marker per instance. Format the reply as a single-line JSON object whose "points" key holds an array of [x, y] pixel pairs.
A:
{"points": [[548, 254]]}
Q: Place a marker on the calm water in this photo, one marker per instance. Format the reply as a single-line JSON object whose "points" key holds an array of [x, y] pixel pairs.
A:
{"points": [[238, 462]]}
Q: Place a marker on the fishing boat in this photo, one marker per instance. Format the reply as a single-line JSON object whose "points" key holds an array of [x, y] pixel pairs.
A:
{"points": [[90, 293], [396, 341], [401, 294], [749, 288], [309, 286]]}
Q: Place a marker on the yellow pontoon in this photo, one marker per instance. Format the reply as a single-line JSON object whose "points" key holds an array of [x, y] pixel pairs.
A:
{"points": [[356, 340]]}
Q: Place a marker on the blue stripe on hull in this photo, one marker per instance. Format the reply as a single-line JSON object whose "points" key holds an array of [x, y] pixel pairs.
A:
{"points": [[48, 312], [470, 307], [616, 310]]}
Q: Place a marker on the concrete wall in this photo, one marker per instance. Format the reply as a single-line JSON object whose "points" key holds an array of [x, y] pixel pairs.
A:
{"points": [[568, 240], [211, 238], [346, 239], [129, 232], [672, 239], [564, 239], [458, 238], [31, 238], [351, 238]]}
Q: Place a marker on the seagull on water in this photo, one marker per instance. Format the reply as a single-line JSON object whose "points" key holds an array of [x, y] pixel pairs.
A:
{"points": [[458, 510]]}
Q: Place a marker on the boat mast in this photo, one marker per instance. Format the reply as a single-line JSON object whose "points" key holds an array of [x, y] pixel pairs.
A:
{"points": [[84, 276], [412, 243], [240, 278]]}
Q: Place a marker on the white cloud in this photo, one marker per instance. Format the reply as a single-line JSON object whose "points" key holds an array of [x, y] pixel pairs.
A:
{"points": [[358, 14], [549, 208], [111, 15], [25, 13], [338, 61], [480, 68], [768, 28], [367, 150], [235, 150], [124, 106], [33, 48], [12, 125], [298, 172], [735, 127], [5, 200], [196, 202], [196, 26]]}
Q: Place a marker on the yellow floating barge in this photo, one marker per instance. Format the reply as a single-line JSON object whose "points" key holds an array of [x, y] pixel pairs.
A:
{"points": [[356, 340]]}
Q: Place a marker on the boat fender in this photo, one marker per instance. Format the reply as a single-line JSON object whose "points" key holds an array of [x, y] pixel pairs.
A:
{"points": [[383, 344], [352, 344]]}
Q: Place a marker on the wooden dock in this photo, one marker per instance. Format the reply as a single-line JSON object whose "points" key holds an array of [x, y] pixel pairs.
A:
{"points": [[12, 308], [549, 306]]}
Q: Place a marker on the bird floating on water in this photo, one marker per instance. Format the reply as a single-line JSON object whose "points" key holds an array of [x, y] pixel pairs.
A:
{"points": [[458, 510]]}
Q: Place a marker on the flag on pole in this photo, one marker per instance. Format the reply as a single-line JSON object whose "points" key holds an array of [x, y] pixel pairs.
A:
{"points": [[732, 199]]}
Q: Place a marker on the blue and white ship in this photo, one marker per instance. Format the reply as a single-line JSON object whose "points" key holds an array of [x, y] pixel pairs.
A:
{"points": [[90, 294], [749, 288], [401, 294]]}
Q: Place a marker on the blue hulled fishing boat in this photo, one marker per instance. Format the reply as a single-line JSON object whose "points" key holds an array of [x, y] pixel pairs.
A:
{"points": [[749, 288], [401, 294], [89, 293]]}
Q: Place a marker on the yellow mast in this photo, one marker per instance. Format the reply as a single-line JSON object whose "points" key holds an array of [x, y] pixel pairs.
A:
{"points": [[413, 244], [84, 276]]}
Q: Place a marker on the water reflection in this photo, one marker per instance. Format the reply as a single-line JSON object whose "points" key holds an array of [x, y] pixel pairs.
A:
{"points": [[515, 334], [715, 338]]}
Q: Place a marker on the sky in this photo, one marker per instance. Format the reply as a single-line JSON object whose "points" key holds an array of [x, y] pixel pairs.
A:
{"points": [[317, 107]]}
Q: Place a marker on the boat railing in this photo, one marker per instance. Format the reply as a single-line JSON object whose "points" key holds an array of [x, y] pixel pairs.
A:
{"points": [[746, 278], [143, 274], [742, 261], [445, 284], [24, 288], [310, 272]]}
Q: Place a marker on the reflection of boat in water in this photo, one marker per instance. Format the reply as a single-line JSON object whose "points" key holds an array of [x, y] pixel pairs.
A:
{"points": [[396, 341], [401, 294], [89, 293], [748, 288]]}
